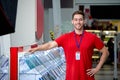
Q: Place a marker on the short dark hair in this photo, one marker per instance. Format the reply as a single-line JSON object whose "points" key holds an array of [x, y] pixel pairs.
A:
{"points": [[78, 12]]}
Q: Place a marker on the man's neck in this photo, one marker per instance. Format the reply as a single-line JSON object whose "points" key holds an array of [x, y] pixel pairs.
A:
{"points": [[79, 31]]}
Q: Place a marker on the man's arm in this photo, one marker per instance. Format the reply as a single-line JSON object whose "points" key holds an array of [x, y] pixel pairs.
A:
{"points": [[103, 58], [45, 46]]}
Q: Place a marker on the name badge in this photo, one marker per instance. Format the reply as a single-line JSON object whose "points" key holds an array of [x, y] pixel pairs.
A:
{"points": [[77, 55]]}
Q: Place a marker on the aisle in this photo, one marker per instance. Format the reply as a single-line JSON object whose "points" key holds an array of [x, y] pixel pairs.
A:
{"points": [[106, 73]]}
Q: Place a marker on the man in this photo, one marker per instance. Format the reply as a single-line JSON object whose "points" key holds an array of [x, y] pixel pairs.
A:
{"points": [[78, 46]]}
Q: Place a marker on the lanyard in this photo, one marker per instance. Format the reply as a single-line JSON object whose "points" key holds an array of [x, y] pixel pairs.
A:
{"points": [[76, 41]]}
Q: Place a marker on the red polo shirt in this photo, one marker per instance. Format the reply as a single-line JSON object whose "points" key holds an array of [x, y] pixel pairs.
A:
{"points": [[76, 69]]}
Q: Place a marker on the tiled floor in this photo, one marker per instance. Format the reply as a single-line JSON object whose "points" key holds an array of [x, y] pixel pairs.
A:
{"points": [[107, 73]]}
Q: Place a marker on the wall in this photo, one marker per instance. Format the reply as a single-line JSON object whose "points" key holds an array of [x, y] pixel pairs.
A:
{"points": [[47, 25], [25, 23], [66, 15], [5, 45]]}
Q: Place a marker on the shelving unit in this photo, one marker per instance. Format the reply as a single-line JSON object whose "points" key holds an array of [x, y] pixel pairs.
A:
{"points": [[108, 34], [97, 32]]}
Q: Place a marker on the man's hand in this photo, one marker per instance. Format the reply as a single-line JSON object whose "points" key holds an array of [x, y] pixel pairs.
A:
{"points": [[92, 72], [32, 50]]}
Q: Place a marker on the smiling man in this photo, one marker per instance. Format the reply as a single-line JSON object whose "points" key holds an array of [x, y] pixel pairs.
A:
{"points": [[79, 47]]}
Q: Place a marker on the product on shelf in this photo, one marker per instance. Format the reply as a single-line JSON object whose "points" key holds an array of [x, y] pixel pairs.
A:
{"points": [[43, 65], [4, 65]]}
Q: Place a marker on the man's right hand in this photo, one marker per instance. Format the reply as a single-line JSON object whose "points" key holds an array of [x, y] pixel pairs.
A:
{"points": [[32, 50]]}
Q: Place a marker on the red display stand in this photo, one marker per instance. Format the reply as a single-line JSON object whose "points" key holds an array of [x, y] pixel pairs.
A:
{"points": [[14, 63]]}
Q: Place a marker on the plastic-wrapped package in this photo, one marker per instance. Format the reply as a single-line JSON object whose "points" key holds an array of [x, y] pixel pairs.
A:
{"points": [[23, 65], [43, 65], [4, 76], [4, 65]]}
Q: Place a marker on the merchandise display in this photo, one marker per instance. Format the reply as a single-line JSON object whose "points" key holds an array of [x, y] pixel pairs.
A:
{"points": [[43, 65]]}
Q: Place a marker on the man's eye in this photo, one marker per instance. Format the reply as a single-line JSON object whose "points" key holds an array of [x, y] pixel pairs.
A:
{"points": [[75, 19], [78, 19]]}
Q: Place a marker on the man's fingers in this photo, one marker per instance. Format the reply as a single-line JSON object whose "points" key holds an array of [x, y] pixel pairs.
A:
{"points": [[90, 72]]}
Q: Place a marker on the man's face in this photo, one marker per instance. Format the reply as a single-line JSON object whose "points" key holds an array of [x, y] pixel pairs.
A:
{"points": [[78, 21]]}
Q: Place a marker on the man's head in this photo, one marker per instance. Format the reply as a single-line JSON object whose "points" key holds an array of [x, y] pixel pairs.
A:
{"points": [[78, 20], [78, 12]]}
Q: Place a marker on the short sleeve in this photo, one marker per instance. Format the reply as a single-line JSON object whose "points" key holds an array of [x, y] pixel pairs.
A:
{"points": [[98, 43], [60, 40]]}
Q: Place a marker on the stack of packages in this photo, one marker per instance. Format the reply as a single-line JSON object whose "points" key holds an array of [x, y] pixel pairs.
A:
{"points": [[43, 65]]}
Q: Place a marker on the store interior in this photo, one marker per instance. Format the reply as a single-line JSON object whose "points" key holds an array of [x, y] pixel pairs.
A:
{"points": [[36, 22]]}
